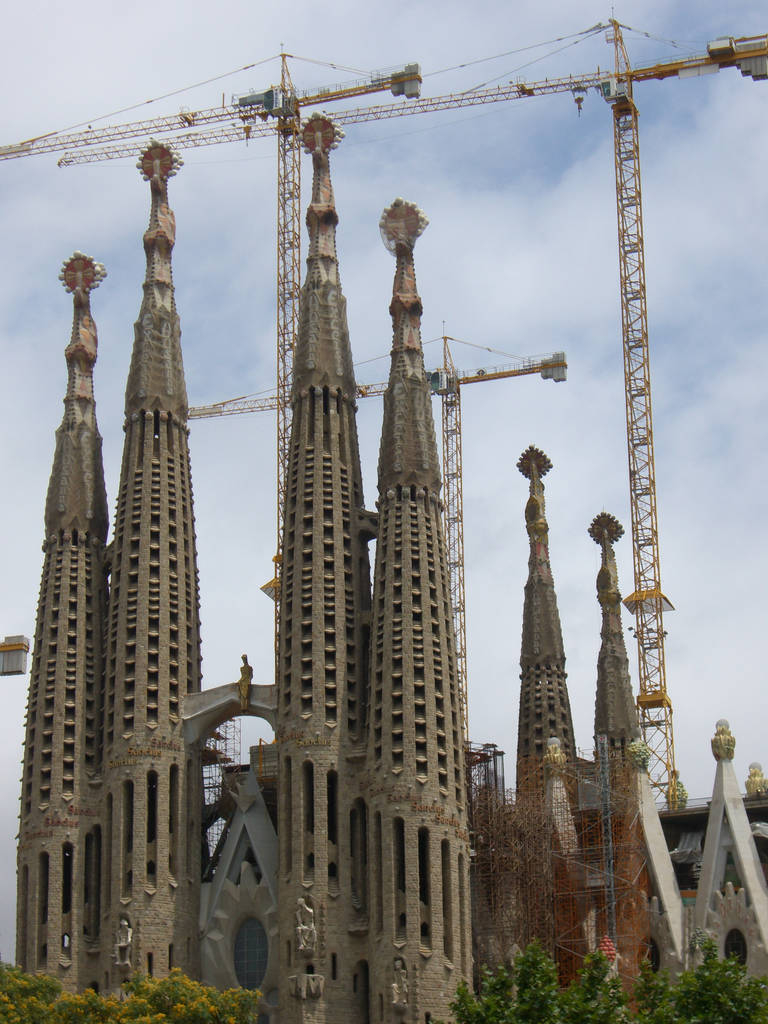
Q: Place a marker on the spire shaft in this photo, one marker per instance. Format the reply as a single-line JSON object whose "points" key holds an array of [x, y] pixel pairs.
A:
{"points": [[323, 355], [156, 377], [545, 710], [76, 494], [615, 714], [408, 452]]}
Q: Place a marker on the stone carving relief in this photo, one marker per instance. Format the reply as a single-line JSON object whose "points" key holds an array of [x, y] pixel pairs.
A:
{"points": [[306, 986]]}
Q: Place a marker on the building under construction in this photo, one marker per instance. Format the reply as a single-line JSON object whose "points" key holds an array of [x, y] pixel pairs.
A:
{"points": [[354, 872]]}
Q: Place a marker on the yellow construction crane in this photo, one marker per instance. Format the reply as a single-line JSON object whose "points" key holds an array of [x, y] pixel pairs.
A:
{"points": [[277, 112], [446, 382]]}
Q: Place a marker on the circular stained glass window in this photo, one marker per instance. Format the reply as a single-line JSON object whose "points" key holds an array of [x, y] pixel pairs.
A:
{"points": [[251, 953]]}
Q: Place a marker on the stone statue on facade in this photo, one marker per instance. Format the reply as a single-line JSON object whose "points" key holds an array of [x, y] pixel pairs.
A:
{"points": [[244, 683], [400, 985], [123, 943], [306, 933]]}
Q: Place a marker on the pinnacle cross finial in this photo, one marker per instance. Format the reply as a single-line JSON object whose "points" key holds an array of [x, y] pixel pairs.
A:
{"points": [[158, 162], [80, 275], [605, 530], [319, 135], [534, 465], [401, 225]]}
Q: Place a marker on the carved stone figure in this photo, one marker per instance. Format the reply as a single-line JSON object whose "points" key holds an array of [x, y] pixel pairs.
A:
{"points": [[306, 933], [400, 985], [244, 682], [123, 943]]}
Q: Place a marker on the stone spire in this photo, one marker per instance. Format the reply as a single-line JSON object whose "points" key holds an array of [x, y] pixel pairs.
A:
{"points": [[544, 707], [59, 909], [156, 377], [77, 499], [420, 894], [152, 792], [325, 600], [408, 452], [323, 356], [615, 713]]}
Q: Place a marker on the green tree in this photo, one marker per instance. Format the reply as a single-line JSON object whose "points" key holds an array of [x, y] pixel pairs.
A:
{"points": [[654, 997], [595, 997], [720, 992], [536, 989], [492, 1005]]}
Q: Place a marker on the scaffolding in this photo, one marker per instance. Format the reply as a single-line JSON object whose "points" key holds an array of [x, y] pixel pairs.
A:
{"points": [[222, 749], [562, 860]]}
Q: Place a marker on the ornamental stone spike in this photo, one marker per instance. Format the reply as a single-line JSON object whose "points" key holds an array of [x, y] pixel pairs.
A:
{"points": [[323, 355], [415, 743], [325, 600], [76, 494], [615, 714], [408, 452], [62, 747], [156, 377], [152, 652], [545, 710]]}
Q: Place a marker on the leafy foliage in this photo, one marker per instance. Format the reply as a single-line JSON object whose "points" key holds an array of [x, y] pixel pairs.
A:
{"points": [[714, 992], [28, 999]]}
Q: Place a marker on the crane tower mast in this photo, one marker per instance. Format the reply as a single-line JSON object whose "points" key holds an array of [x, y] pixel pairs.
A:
{"points": [[647, 602]]}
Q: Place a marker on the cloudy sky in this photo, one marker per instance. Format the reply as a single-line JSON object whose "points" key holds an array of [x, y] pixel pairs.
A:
{"points": [[520, 259]]}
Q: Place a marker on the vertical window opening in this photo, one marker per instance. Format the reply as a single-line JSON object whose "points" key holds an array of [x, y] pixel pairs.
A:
{"points": [[333, 783], [445, 862], [67, 856], [425, 922], [151, 807], [308, 776], [462, 913], [173, 818], [43, 888], [285, 825], [398, 835], [358, 851], [127, 879]]}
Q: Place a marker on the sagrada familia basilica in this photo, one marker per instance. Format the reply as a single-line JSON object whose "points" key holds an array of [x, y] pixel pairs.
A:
{"points": [[362, 878]]}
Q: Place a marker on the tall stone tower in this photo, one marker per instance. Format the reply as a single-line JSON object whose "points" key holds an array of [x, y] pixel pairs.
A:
{"points": [[59, 853], [152, 798], [324, 625], [545, 710], [419, 918], [615, 712]]}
